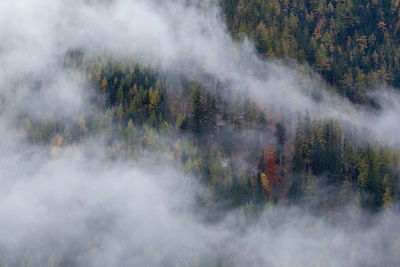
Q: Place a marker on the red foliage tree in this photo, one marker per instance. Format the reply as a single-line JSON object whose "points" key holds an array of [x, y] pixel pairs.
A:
{"points": [[270, 168]]}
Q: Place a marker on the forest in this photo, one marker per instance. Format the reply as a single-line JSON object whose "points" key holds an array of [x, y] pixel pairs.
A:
{"points": [[241, 166], [354, 45]]}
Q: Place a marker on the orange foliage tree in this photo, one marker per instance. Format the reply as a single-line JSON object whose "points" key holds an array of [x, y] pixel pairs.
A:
{"points": [[270, 168], [271, 172]]}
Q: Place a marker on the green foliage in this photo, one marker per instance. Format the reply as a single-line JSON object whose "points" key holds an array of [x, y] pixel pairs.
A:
{"points": [[321, 150], [353, 44], [234, 154]]}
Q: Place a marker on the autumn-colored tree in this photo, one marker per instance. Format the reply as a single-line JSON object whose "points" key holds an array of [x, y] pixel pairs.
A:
{"points": [[270, 168], [103, 85], [266, 186], [55, 150], [272, 175]]}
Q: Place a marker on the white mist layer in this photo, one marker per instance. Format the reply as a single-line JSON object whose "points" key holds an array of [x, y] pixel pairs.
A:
{"points": [[79, 207], [173, 36]]}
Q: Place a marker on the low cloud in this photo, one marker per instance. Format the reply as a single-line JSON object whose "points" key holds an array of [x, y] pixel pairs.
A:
{"points": [[88, 211]]}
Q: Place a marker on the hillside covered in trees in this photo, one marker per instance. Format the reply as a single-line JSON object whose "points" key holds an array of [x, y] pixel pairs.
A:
{"points": [[242, 155], [248, 177], [354, 45]]}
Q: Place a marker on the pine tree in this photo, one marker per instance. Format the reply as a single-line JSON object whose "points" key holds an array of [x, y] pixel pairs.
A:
{"points": [[198, 113], [281, 138]]}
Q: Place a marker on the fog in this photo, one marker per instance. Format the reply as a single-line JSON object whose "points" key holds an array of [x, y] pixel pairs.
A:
{"points": [[172, 36], [80, 209], [83, 209]]}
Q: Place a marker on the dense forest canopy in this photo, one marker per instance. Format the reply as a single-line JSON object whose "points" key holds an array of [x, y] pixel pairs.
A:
{"points": [[167, 139], [354, 45]]}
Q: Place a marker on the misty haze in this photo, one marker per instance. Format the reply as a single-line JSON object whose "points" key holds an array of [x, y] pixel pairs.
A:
{"points": [[199, 133]]}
